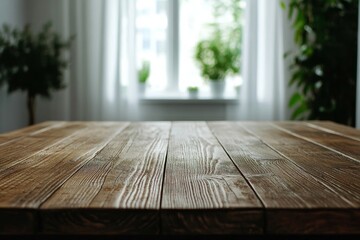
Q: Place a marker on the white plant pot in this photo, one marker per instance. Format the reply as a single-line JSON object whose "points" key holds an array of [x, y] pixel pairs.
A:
{"points": [[141, 89], [217, 88], [193, 94], [237, 91]]}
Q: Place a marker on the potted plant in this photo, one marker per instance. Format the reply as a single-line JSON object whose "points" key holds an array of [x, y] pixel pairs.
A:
{"points": [[33, 63], [143, 76], [217, 59], [193, 91], [219, 55]]}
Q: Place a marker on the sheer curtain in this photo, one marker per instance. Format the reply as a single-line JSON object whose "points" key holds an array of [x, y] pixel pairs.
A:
{"points": [[102, 56], [267, 36]]}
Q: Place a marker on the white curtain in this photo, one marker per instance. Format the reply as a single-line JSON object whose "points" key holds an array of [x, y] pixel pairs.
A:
{"points": [[267, 36], [102, 57]]}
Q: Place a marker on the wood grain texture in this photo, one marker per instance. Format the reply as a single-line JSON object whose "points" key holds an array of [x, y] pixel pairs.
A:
{"points": [[33, 129], [334, 142], [126, 174], [335, 128], [119, 178], [18, 222], [314, 221], [200, 176], [333, 169], [17, 151], [99, 221], [277, 181], [29, 184], [6, 138], [212, 222]]}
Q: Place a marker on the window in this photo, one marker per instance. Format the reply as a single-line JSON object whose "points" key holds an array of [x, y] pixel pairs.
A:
{"points": [[167, 32], [151, 39]]}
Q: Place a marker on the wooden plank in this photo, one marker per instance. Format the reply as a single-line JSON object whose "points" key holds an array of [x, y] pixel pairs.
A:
{"points": [[102, 221], [280, 184], [31, 130], [17, 222], [335, 128], [212, 222], [331, 169], [124, 180], [15, 152], [314, 221], [266, 169], [29, 184], [334, 142], [203, 191]]}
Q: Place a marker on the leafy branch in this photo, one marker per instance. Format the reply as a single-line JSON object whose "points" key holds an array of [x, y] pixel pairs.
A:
{"points": [[33, 63], [324, 68]]}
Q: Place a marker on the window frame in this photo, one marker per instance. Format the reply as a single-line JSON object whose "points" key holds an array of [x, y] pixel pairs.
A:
{"points": [[173, 36], [172, 48]]}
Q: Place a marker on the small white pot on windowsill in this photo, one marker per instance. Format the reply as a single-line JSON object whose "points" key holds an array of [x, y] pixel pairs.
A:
{"points": [[193, 92], [217, 88], [141, 89], [237, 90]]}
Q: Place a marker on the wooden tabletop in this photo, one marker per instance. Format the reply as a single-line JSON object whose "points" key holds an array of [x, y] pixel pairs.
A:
{"points": [[180, 178]]}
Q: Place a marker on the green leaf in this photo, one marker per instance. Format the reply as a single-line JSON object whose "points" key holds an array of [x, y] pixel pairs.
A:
{"points": [[283, 5], [296, 97], [297, 76], [286, 54], [299, 111]]}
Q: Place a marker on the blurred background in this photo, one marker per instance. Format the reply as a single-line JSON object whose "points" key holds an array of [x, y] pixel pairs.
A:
{"points": [[153, 60]]}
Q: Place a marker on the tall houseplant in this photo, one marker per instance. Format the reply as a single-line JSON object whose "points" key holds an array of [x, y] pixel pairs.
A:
{"points": [[33, 63], [324, 69]]}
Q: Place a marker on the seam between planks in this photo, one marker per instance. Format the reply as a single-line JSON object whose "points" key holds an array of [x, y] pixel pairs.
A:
{"points": [[324, 129], [86, 161], [264, 227], [163, 180], [314, 142], [300, 167]]}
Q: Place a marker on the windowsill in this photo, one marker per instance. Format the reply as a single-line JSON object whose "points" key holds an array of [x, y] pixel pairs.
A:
{"points": [[184, 98]]}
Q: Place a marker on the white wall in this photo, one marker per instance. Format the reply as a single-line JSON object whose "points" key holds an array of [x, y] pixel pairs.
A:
{"points": [[13, 113]]}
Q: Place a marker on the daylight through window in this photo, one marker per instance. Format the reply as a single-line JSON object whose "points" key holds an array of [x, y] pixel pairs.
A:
{"points": [[168, 32]]}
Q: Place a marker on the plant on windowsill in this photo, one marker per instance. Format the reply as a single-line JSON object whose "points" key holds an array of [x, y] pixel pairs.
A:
{"points": [[143, 76], [237, 90], [219, 55], [193, 91], [217, 59], [33, 63]]}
